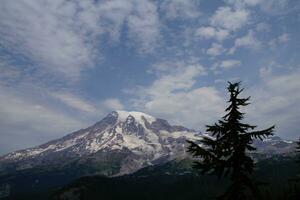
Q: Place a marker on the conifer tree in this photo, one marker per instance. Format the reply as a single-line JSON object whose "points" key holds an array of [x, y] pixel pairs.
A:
{"points": [[298, 160], [225, 151], [295, 181], [298, 152]]}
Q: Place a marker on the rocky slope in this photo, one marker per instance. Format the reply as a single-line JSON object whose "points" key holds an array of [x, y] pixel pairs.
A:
{"points": [[128, 140], [122, 143]]}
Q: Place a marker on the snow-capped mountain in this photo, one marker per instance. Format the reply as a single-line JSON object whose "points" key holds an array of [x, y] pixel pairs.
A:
{"points": [[135, 139], [275, 145], [122, 143]]}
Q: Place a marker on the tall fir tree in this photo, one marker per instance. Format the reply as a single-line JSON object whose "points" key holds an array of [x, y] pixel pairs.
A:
{"points": [[295, 181], [225, 151], [298, 161], [298, 153]]}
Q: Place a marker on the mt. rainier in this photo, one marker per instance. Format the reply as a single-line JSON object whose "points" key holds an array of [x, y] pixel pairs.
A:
{"points": [[121, 143]]}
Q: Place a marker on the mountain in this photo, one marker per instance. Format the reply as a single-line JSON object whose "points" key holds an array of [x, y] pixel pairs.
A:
{"points": [[275, 145], [121, 143]]}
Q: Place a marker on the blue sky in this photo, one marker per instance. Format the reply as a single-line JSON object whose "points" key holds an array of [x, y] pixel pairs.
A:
{"points": [[64, 64]]}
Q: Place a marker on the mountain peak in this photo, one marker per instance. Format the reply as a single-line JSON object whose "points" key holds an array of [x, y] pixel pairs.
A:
{"points": [[136, 138], [131, 139], [138, 116]]}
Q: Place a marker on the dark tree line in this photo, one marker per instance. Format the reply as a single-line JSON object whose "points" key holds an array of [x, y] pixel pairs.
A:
{"points": [[225, 152]]}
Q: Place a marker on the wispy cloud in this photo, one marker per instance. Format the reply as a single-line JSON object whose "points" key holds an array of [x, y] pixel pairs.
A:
{"points": [[248, 41], [113, 104], [216, 50], [173, 96], [48, 34], [271, 7], [225, 65], [208, 32], [229, 18], [75, 102], [64, 36], [280, 40], [180, 9], [144, 29], [276, 101], [29, 122]]}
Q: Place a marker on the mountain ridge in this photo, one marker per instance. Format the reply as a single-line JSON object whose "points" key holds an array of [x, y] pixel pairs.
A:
{"points": [[127, 140], [121, 144], [145, 139]]}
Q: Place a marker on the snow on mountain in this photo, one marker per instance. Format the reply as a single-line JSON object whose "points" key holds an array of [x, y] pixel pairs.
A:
{"points": [[121, 143], [138, 116], [275, 145], [145, 139]]}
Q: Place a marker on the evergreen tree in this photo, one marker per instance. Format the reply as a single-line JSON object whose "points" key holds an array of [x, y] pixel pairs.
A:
{"points": [[298, 161], [225, 151], [298, 152], [295, 181]]}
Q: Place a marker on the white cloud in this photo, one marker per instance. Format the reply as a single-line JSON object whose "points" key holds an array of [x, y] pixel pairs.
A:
{"points": [[228, 64], [243, 3], [15, 110], [181, 79], [63, 37], [173, 96], [209, 32], [48, 34], [144, 25], [276, 101], [113, 104], [273, 7], [225, 20], [263, 27], [229, 18], [215, 50], [281, 39], [88, 108], [75, 102], [225, 65], [247, 41], [112, 16], [29, 122], [193, 108], [285, 37], [180, 9]]}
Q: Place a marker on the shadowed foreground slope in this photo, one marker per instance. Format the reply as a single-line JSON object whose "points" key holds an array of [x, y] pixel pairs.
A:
{"points": [[169, 182]]}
